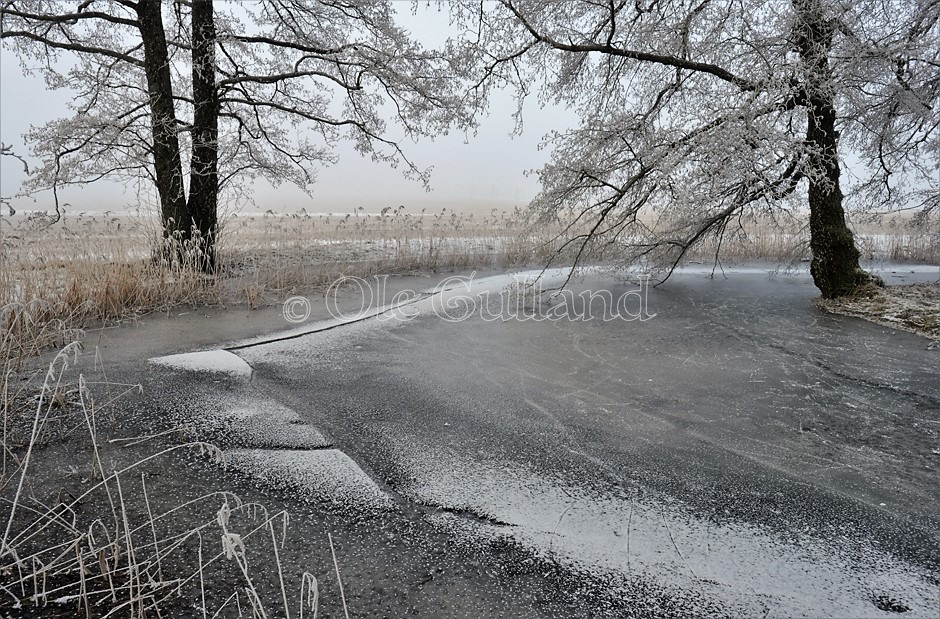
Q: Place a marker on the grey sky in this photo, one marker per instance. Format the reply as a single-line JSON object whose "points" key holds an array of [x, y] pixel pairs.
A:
{"points": [[470, 172]]}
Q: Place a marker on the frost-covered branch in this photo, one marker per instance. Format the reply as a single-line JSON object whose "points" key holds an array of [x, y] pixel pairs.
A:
{"points": [[693, 112]]}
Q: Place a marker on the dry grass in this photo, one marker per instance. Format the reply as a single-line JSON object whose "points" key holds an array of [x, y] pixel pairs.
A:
{"points": [[83, 268], [276, 253], [104, 545]]}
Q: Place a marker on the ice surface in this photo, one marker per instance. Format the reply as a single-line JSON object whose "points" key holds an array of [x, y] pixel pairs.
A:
{"points": [[754, 568], [428, 302], [735, 562]]}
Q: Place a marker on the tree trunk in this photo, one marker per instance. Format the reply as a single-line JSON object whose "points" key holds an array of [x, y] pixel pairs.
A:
{"points": [[166, 146], [204, 175], [835, 267]]}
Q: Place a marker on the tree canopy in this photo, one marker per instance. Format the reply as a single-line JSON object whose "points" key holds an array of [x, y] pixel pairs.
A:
{"points": [[223, 93], [697, 113]]}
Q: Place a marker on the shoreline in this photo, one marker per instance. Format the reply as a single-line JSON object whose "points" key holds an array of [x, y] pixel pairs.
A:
{"points": [[914, 308]]}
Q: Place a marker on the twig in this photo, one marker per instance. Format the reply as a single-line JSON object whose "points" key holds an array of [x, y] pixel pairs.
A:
{"points": [[338, 579]]}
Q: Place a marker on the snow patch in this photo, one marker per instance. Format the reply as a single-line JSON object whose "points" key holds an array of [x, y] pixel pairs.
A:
{"points": [[320, 476], [265, 423], [218, 361]]}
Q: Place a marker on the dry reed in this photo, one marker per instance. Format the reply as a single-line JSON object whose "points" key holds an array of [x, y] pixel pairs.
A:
{"points": [[102, 546], [58, 278]]}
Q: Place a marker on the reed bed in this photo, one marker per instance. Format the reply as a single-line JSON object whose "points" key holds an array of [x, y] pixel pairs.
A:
{"points": [[84, 269], [55, 278], [891, 237]]}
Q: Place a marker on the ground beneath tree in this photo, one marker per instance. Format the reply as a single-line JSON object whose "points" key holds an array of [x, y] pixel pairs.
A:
{"points": [[912, 307]]}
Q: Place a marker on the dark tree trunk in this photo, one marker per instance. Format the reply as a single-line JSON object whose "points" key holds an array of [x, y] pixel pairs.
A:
{"points": [[835, 267], [204, 175], [166, 146]]}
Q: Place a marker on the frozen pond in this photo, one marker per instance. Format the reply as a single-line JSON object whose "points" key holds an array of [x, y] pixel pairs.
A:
{"points": [[726, 448]]}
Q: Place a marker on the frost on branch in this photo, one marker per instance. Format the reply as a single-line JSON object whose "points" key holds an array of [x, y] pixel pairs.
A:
{"points": [[696, 115]]}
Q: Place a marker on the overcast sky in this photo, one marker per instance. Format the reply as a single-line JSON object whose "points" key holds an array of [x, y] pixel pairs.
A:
{"points": [[470, 172]]}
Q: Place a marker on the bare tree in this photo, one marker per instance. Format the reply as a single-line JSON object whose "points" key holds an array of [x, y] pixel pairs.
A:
{"points": [[223, 93], [697, 113]]}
